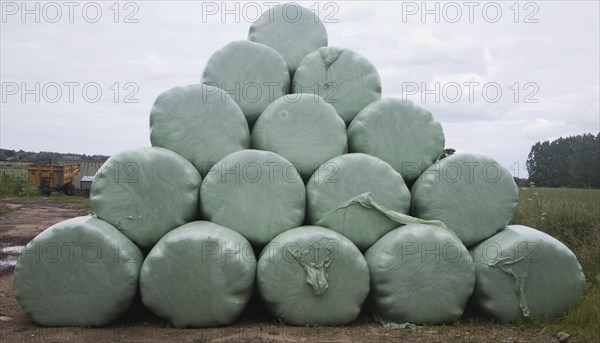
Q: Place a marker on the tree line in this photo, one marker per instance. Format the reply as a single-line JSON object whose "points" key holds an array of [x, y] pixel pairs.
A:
{"points": [[566, 162], [44, 156]]}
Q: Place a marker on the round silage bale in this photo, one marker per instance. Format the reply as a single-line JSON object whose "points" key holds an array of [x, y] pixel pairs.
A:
{"points": [[302, 128], [145, 193], [525, 273], [81, 271], [200, 274], [333, 190], [192, 121], [312, 275], [292, 30], [404, 135], [252, 73], [472, 194], [256, 193], [419, 274], [342, 77]]}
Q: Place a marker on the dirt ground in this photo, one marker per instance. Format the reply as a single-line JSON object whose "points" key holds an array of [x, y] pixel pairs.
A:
{"points": [[22, 219]]}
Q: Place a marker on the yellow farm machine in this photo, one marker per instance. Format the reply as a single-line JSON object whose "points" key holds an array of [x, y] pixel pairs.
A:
{"points": [[53, 177]]}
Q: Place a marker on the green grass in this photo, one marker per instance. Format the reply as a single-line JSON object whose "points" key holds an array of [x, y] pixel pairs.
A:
{"points": [[14, 187], [13, 180], [573, 217], [584, 320], [569, 215]]}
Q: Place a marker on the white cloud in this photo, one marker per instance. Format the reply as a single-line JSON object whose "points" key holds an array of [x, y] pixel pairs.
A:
{"points": [[541, 126], [156, 65], [170, 45], [424, 36]]}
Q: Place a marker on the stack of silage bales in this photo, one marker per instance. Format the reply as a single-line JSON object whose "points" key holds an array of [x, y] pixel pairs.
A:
{"points": [[342, 192]]}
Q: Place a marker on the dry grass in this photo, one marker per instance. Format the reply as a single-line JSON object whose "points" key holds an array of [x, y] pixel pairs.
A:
{"points": [[573, 217], [569, 215]]}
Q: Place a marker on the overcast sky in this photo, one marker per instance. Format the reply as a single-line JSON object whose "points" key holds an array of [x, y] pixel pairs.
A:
{"points": [[543, 56]]}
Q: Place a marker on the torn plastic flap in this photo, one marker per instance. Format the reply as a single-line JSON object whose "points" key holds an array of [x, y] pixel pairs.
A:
{"points": [[520, 273], [366, 201], [316, 272]]}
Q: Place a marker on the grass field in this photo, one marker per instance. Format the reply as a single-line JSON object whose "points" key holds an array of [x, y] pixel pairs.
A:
{"points": [[13, 180], [573, 217], [570, 215]]}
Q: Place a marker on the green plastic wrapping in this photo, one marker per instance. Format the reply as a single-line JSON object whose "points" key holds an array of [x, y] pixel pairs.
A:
{"points": [[252, 73], [79, 272], [472, 194], [256, 193], [312, 275], [419, 274], [302, 128], [342, 77], [335, 190], [145, 193], [524, 273], [292, 30], [199, 275], [404, 135], [201, 123]]}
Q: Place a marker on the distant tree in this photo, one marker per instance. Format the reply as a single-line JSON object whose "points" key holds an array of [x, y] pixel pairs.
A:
{"points": [[447, 152], [566, 162], [44, 156], [3, 155], [521, 182]]}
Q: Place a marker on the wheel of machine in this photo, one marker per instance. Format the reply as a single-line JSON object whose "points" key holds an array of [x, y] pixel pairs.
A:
{"points": [[70, 189], [44, 190]]}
